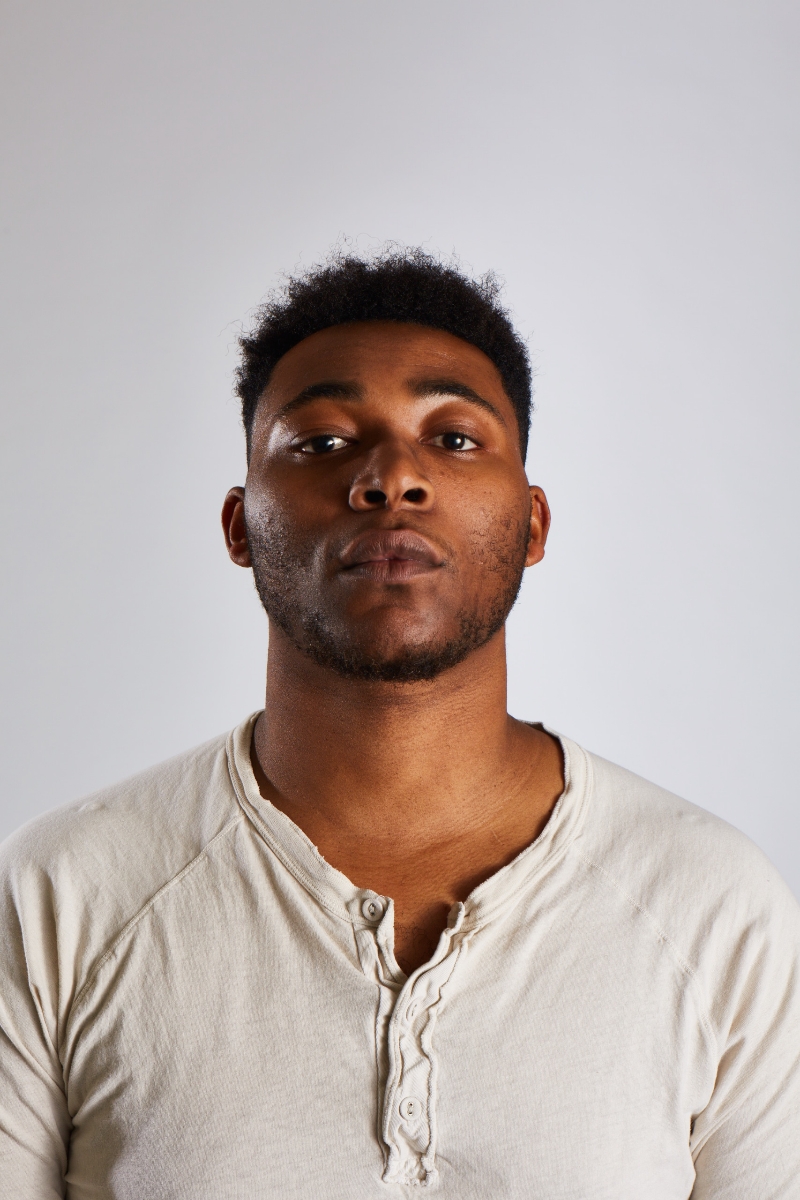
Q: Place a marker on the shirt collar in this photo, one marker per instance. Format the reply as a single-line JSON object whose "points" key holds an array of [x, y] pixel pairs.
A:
{"points": [[335, 892]]}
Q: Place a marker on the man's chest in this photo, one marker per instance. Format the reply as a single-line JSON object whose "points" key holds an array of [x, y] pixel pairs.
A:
{"points": [[271, 1061]]}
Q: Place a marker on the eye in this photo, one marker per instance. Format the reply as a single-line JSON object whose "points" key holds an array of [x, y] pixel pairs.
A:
{"points": [[323, 443], [452, 440]]}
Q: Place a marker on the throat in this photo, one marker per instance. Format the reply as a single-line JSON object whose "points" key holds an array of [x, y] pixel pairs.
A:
{"points": [[432, 853]]}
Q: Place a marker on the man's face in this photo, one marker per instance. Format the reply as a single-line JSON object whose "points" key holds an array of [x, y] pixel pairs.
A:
{"points": [[388, 517]]}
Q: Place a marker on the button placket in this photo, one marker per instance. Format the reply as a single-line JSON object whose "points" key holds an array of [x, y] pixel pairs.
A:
{"points": [[407, 1117], [405, 1019], [409, 1127]]}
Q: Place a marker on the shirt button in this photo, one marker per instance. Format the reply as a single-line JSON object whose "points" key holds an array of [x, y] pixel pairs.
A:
{"points": [[373, 908], [412, 1010], [410, 1108]]}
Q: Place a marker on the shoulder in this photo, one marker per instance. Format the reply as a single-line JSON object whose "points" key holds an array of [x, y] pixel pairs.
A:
{"points": [[658, 842], [71, 879], [150, 822], [702, 885]]}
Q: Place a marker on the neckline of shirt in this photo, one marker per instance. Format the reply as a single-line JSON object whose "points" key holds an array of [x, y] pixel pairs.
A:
{"points": [[340, 896]]}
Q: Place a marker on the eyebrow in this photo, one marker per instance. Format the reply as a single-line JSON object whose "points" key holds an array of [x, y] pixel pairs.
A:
{"points": [[332, 389], [336, 389], [451, 387]]}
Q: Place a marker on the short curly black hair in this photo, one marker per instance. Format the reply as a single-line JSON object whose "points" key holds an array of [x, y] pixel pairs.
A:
{"points": [[397, 284]]}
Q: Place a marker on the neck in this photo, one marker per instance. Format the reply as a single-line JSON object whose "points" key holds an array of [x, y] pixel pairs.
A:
{"points": [[354, 753]]}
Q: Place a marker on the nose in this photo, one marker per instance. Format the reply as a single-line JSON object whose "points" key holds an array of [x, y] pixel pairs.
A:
{"points": [[391, 478]]}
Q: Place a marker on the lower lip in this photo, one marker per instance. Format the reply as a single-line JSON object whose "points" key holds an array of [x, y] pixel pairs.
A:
{"points": [[391, 570]]}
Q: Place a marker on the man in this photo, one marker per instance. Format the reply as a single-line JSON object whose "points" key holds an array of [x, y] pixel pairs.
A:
{"points": [[382, 935]]}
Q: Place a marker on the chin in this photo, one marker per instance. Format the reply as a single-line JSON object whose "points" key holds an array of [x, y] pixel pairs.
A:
{"points": [[387, 659], [407, 668]]}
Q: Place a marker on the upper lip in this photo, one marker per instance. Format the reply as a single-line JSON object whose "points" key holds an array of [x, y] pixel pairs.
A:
{"points": [[383, 545]]}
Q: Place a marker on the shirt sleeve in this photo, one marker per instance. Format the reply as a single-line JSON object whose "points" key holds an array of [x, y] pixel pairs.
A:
{"points": [[34, 1121], [746, 1142]]}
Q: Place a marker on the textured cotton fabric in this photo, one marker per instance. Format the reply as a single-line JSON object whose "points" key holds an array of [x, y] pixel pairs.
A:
{"points": [[195, 1006]]}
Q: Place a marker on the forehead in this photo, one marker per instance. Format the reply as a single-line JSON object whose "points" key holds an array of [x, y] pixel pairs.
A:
{"points": [[382, 353]]}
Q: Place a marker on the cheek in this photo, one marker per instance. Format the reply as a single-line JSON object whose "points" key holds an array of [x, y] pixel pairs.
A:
{"points": [[261, 514], [270, 504], [497, 534], [271, 531], [285, 544], [290, 497]]}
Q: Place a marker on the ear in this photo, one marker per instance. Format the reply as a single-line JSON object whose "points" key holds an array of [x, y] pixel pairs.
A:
{"points": [[233, 527], [540, 525]]}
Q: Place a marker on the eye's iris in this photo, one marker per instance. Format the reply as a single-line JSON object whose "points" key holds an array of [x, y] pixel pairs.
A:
{"points": [[454, 441], [323, 443]]}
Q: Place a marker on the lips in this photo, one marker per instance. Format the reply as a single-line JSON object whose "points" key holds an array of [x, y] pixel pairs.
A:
{"points": [[391, 554]]}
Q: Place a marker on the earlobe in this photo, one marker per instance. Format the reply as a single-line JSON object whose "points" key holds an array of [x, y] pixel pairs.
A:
{"points": [[535, 553], [234, 528]]}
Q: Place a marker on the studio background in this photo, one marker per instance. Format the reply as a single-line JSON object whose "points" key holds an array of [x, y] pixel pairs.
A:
{"points": [[630, 168]]}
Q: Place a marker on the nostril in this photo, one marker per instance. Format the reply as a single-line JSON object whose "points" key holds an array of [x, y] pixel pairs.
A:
{"points": [[414, 495], [374, 496]]}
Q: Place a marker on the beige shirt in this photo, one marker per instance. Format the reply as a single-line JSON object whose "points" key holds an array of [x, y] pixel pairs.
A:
{"points": [[195, 1005]]}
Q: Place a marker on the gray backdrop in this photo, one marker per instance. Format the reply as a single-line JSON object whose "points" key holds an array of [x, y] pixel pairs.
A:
{"points": [[629, 167]]}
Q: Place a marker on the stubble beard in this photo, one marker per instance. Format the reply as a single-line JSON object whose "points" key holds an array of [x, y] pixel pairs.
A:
{"points": [[282, 573]]}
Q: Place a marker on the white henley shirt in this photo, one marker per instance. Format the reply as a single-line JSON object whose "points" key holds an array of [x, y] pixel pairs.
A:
{"points": [[194, 1005]]}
